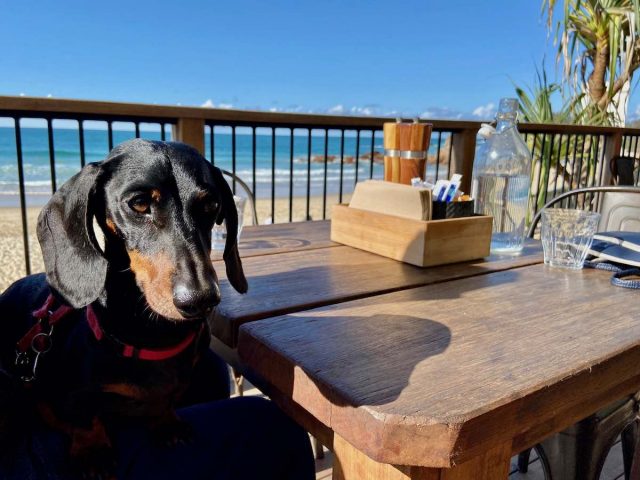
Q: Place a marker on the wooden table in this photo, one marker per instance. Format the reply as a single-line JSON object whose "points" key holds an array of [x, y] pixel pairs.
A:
{"points": [[282, 237], [449, 380], [295, 267]]}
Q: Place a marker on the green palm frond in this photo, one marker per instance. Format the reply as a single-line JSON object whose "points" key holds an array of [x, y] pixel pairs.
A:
{"points": [[599, 43]]}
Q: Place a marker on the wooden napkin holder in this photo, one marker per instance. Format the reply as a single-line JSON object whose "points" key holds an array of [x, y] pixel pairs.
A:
{"points": [[418, 242]]}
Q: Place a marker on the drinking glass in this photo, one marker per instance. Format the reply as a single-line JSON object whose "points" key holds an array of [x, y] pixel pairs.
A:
{"points": [[566, 236], [219, 233]]}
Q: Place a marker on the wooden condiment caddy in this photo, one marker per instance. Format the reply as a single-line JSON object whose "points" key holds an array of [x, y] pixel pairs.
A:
{"points": [[418, 242], [392, 220], [405, 146]]}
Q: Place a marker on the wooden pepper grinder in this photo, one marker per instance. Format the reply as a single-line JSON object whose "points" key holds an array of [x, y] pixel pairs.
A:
{"points": [[405, 146]]}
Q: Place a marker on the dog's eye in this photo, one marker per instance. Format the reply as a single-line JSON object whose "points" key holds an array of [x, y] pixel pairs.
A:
{"points": [[205, 205], [141, 204], [210, 207]]}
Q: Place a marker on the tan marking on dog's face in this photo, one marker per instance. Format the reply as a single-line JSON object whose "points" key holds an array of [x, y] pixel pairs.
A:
{"points": [[155, 195], [202, 194], [154, 278], [111, 226]]}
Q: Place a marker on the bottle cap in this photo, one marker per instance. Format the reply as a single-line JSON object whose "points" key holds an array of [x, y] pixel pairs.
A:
{"points": [[508, 109], [508, 105]]}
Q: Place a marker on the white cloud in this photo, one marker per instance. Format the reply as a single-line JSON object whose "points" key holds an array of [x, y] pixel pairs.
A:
{"points": [[49, 95], [636, 113], [367, 111], [22, 94], [484, 111], [340, 109], [209, 104], [440, 113]]}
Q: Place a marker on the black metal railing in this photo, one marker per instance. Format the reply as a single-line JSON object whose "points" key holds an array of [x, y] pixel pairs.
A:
{"points": [[15, 119], [562, 162], [318, 145], [631, 148], [286, 158]]}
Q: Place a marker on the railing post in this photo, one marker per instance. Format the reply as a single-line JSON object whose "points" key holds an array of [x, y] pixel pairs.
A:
{"points": [[190, 131], [613, 149], [463, 150]]}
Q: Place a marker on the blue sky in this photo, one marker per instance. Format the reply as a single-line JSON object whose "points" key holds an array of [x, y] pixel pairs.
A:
{"points": [[440, 59]]}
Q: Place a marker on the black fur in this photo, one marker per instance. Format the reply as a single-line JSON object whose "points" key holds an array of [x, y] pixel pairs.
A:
{"points": [[82, 380]]}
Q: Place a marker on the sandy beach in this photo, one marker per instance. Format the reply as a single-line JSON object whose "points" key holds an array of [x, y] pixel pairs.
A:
{"points": [[12, 263]]}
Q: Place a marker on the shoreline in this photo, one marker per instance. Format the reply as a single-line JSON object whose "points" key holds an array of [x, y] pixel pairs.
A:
{"points": [[12, 263]]}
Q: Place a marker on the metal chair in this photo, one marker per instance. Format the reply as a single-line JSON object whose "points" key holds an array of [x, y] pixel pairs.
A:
{"points": [[579, 452], [247, 191], [238, 378], [620, 207]]}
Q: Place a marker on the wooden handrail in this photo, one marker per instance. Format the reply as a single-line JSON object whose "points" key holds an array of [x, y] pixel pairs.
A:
{"points": [[31, 106]]}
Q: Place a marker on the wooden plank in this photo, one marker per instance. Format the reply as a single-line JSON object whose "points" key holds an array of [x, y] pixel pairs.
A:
{"points": [[351, 464], [97, 108], [191, 132], [301, 280], [435, 376], [463, 153], [258, 240], [612, 150]]}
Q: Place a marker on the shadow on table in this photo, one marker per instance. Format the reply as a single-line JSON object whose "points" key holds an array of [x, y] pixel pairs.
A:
{"points": [[302, 288], [369, 360], [358, 360], [352, 360]]}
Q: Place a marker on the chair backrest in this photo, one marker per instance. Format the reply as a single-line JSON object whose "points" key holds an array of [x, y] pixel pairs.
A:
{"points": [[247, 191], [620, 207], [620, 212]]}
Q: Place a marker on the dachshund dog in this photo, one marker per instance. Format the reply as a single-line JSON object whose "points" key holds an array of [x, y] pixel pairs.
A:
{"points": [[118, 327]]}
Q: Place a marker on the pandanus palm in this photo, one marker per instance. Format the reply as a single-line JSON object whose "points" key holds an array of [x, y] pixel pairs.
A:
{"points": [[552, 152], [599, 42]]}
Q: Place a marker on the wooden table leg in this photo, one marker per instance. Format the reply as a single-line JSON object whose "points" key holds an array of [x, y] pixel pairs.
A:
{"points": [[351, 464]]}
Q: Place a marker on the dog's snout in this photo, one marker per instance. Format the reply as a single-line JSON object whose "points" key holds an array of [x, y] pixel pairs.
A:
{"points": [[195, 302]]}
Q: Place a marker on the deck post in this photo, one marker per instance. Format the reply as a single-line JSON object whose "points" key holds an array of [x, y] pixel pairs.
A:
{"points": [[463, 151], [190, 131], [613, 149]]}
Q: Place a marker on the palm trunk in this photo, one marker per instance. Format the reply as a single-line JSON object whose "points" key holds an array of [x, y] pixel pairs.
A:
{"points": [[596, 82]]}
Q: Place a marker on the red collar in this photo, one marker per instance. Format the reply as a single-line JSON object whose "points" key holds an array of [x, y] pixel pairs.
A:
{"points": [[48, 318], [129, 351]]}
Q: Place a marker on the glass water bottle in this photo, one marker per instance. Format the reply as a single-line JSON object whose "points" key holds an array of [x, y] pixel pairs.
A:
{"points": [[501, 180]]}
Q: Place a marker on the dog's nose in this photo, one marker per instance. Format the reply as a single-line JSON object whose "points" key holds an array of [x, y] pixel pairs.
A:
{"points": [[195, 303]]}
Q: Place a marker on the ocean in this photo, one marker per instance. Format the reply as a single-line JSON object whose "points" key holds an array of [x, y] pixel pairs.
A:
{"points": [[37, 170]]}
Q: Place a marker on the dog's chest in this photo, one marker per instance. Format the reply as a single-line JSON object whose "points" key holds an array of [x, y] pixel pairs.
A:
{"points": [[81, 373]]}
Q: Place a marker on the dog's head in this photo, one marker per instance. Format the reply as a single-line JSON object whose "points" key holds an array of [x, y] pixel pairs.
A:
{"points": [[157, 202]]}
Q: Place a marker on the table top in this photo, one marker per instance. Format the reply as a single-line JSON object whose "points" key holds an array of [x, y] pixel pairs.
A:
{"points": [[258, 240], [433, 376], [304, 269]]}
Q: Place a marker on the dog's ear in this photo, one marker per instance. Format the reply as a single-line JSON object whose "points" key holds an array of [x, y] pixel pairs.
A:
{"points": [[75, 266], [228, 212]]}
